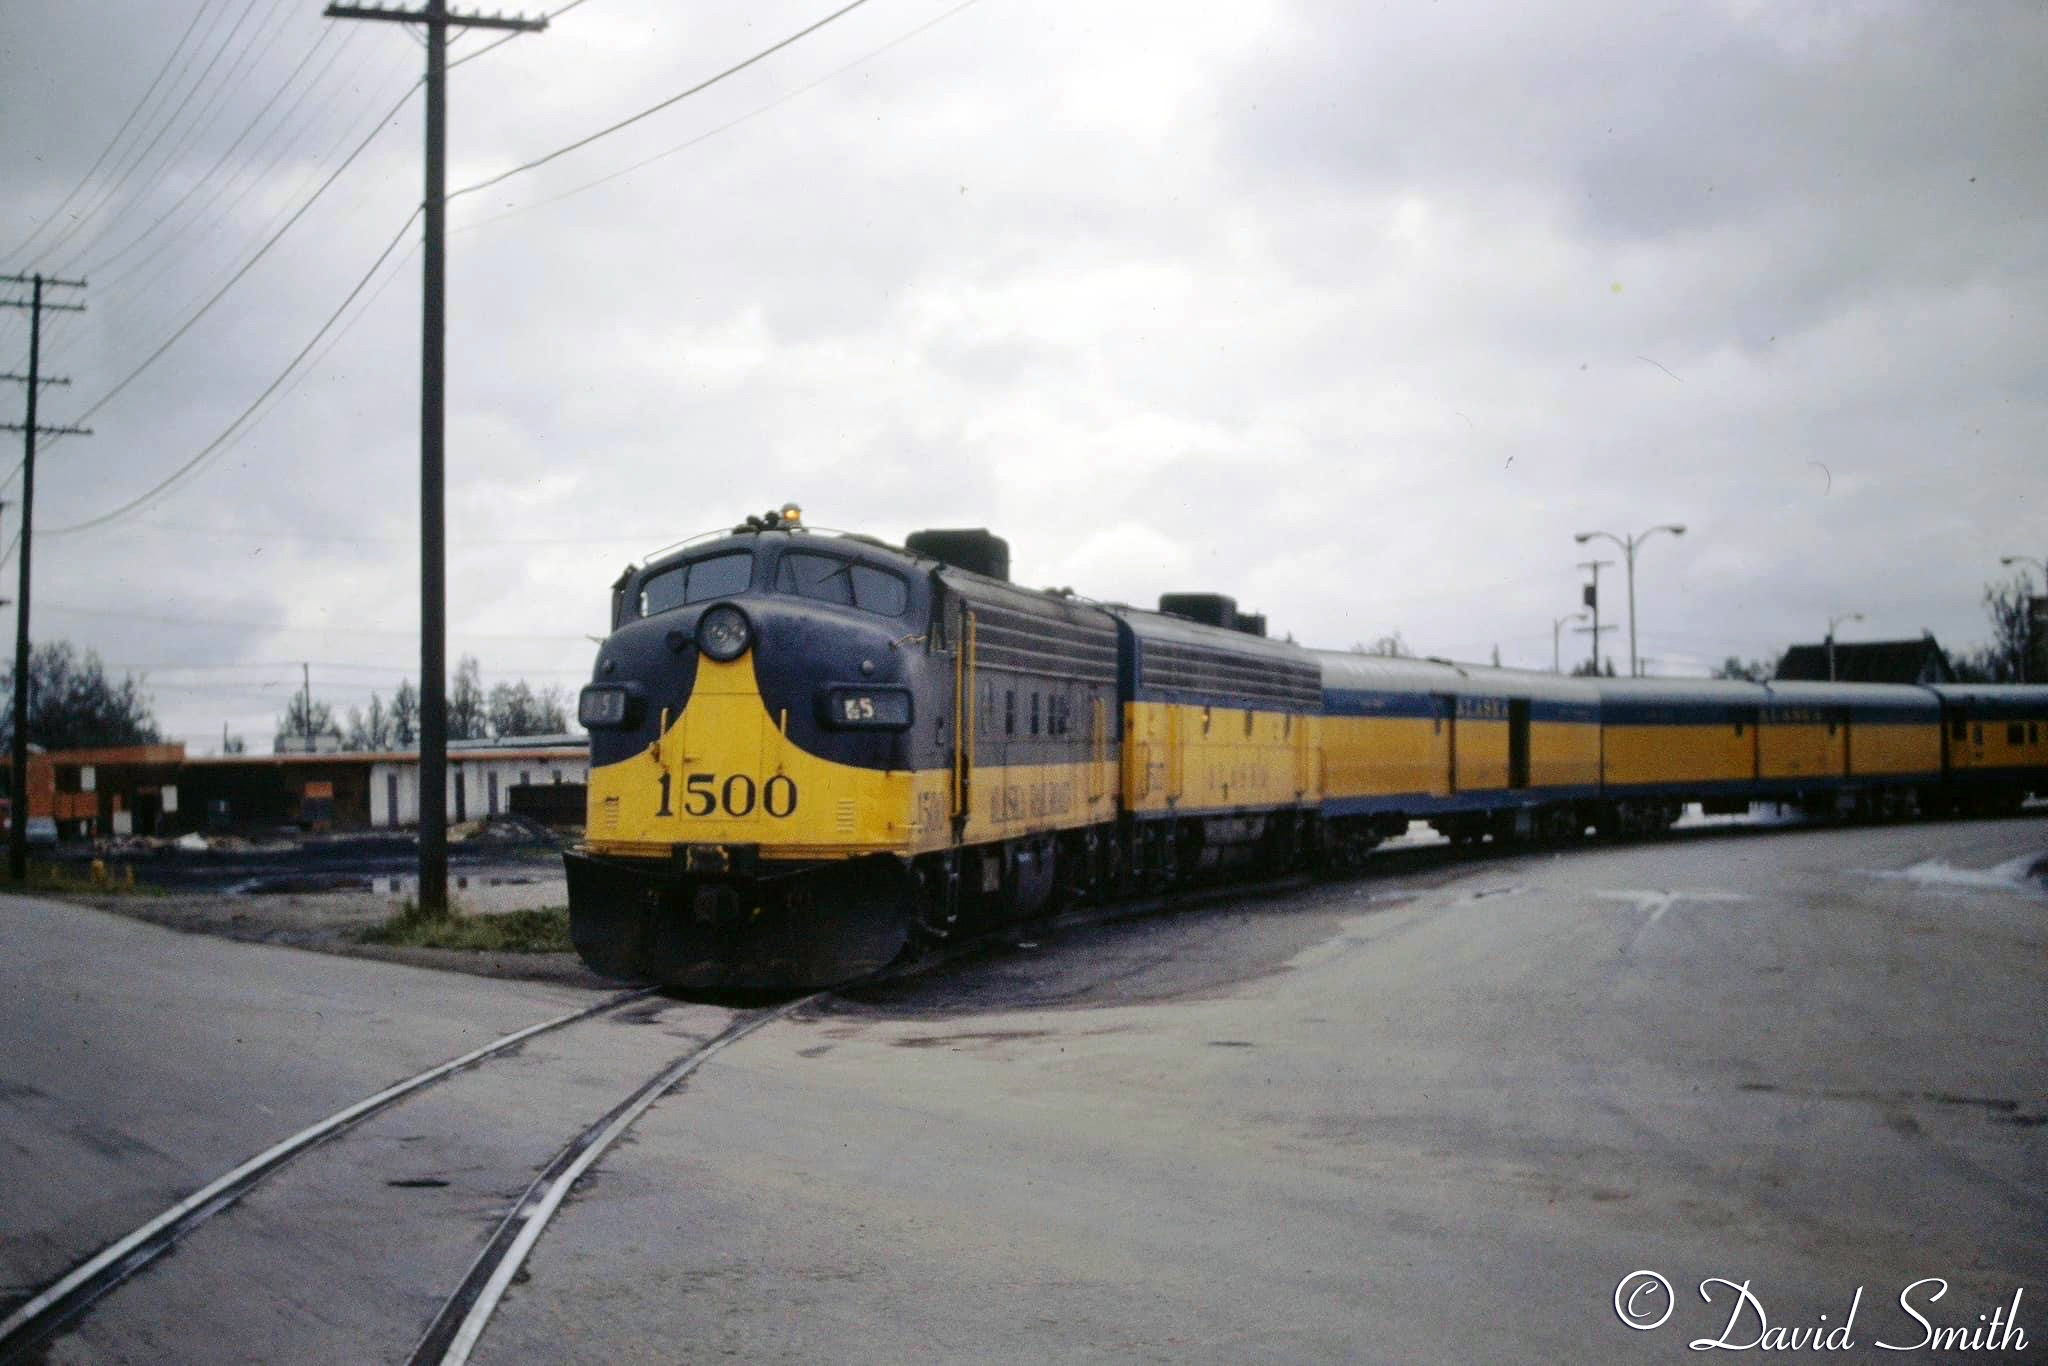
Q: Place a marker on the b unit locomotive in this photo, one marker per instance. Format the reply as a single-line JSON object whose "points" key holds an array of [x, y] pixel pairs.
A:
{"points": [[810, 752]]}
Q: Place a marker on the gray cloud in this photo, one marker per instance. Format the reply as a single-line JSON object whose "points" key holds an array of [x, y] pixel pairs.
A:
{"points": [[1356, 315]]}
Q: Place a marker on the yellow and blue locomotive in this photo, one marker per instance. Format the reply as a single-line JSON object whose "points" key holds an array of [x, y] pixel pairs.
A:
{"points": [[810, 752], [805, 748]]}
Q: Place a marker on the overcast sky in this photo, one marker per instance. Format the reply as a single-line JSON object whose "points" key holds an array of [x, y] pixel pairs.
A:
{"points": [[1354, 312]]}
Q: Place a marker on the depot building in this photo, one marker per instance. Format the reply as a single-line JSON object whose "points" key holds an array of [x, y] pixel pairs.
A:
{"points": [[160, 790]]}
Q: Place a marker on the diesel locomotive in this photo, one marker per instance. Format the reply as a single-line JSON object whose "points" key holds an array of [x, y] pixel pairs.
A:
{"points": [[812, 753]]}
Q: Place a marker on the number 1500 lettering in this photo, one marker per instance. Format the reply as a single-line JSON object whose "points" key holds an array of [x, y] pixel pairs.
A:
{"points": [[736, 796]]}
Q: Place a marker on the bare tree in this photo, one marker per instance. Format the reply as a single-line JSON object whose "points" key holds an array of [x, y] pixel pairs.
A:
{"points": [[405, 714], [469, 711], [2006, 605], [1756, 671], [304, 722], [1390, 646], [369, 730]]}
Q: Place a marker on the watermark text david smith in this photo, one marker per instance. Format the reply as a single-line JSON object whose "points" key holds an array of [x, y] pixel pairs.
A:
{"points": [[1644, 1301]]}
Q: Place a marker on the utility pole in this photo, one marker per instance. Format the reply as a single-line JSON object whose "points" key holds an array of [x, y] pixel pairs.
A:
{"points": [[437, 18], [1592, 600], [1556, 623], [17, 831], [306, 703], [1629, 546]]}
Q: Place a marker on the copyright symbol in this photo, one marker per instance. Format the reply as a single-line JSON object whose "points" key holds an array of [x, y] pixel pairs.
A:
{"points": [[1635, 1300]]}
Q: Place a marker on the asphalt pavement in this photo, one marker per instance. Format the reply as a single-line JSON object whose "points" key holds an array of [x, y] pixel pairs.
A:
{"points": [[1436, 1114]]}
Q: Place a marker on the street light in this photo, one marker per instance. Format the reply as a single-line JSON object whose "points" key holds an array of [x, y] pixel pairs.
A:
{"points": [[1833, 622], [1556, 661], [1628, 546]]}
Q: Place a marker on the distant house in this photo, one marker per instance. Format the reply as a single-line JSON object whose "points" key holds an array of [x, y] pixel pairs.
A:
{"points": [[1870, 661]]}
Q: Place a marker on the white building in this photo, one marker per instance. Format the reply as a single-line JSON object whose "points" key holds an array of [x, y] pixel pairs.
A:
{"points": [[481, 775]]}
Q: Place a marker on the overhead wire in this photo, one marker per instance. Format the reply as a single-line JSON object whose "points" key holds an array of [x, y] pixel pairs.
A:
{"points": [[282, 628], [216, 533], [101, 266], [494, 45], [290, 204], [257, 46], [152, 493], [292, 371], [121, 179], [113, 142], [725, 127], [250, 264], [657, 107], [288, 134]]}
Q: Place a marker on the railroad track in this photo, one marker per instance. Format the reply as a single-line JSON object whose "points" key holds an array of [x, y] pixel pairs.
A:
{"points": [[464, 1313], [466, 1310]]}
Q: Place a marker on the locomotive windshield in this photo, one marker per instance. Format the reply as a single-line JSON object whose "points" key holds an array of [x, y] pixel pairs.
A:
{"points": [[827, 578], [717, 576]]}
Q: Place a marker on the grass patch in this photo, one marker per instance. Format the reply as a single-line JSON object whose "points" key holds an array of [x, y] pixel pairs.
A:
{"points": [[80, 879], [542, 931]]}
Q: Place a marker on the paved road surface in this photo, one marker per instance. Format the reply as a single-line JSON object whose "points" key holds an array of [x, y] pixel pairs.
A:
{"points": [[1432, 1117]]}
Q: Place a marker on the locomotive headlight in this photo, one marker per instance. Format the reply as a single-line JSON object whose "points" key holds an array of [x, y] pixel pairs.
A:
{"points": [[723, 633]]}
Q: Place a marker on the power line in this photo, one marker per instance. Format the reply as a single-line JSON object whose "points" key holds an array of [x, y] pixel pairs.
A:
{"points": [[86, 179], [653, 109], [214, 170], [726, 127], [289, 204], [217, 533], [250, 264], [254, 48], [286, 134], [403, 671], [150, 495], [281, 628], [552, 15], [122, 177]]}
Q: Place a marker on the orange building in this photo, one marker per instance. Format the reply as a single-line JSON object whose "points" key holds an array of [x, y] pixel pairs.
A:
{"points": [[121, 790]]}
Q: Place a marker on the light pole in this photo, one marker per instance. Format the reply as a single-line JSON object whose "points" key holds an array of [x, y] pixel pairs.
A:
{"points": [[2026, 655], [1628, 546], [1557, 661], [1833, 622]]}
